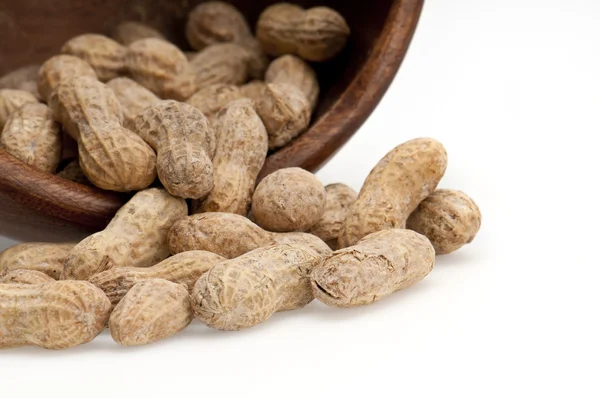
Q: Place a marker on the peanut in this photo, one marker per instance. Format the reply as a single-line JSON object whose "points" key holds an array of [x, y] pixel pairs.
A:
{"points": [[211, 99], [60, 69], [11, 101], [130, 31], [55, 315], [449, 219], [26, 277], [152, 310], [317, 34], [32, 135], [248, 290], [394, 189], [379, 265], [232, 235], [48, 258], [225, 63], [136, 237], [287, 200], [162, 68], [253, 90], [24, 78], [133, 97], [241, 152], [337, 205], [285, 111], [289, 69], [111, 156], [185, 145], [184, 268], [73, 172], [106, 56]]}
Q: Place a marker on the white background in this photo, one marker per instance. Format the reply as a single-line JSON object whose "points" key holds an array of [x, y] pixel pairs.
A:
{"points": [[512, 88]]}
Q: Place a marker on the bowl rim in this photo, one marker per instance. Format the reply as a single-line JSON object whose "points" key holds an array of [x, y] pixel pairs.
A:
{"points": [[94, 208]]}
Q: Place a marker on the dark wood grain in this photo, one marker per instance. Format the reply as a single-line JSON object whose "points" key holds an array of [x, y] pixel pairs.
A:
{"points": [[351, 85]]}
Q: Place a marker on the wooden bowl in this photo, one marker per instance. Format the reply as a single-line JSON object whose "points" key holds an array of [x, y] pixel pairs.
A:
{"points": [[352, 85]]}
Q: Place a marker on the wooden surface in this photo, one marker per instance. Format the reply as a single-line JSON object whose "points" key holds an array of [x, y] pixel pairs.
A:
{"points": [[351, 85]]}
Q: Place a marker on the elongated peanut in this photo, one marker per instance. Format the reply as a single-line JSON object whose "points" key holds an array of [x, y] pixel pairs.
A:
{"points": [[285, 111], [133, 97], [290, 199], [136, 237], [232, 235], [183, 268], [248, 290], [289, 69], [152, 310], [73, 172], [32, 135], [48, 258], [11, 101], [162, 68], [253, 90], [317, 34], [225, 63], [394, 189], [106, 56], [340, 198], [26, 277], [211, 99], [55, 315], [111, 156], [377, 266], [60, 69], [24, 78], [129, 31], [185, 144], [448, 218], [241, 152]]}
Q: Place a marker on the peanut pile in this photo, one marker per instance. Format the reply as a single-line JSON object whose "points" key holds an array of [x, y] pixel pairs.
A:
{"points": [[188, 134]]}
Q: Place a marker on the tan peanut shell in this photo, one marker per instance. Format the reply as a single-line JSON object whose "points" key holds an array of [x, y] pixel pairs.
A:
{"points": [[339, 199], [111, 156], [285, 111], [289, 69], [48, 258], [448, 218], [184, 268], [136, 237], [211, 99], [133, 97], [394, 189], [55, 315], [215, 22], [32, 135], [162, 68], [241, 152], [253, 90], [317, 34], [248, 290], [11, 101], [377, 266], [232, 235], [60, 69], [287, 200], [26, 277], [185, 144], [73, 172], [24, 78], [225, 63], [106, 56], [152, 310], [129, 31]]}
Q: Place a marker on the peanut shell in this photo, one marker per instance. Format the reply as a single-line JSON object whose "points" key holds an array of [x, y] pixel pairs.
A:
{"points": [[224, 63], [130, 31], [211, 99], [253, 90], [26, 277], [24, 78], [73, 172], [11, 101], [133, 97], [215, 22], [48, 258], [60, 69], [339, 199], [106, 56], [289, 69]]}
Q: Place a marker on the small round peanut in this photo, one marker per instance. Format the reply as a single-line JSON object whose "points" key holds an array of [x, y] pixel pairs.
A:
{"points": [[340, 198], [59, 69], [285, 111], [211, 99], [130, 31], [106, 56], [24, 78], [133, 97], [448, 218], [11, 101], [32, 135], [289, 69], [287, 200]]}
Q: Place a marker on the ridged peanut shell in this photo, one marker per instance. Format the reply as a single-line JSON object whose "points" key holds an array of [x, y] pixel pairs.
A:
{"points": [[130, 31], [248, 290], [225, 63], [133, 97], [289, 69], [339, 199], [211, 99], [152, 310], [399, 182], [59, 69], [23, 78], [48, 258], [106, 56], [26, 277], [11, 101], [253, 90], [215, 22]]}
